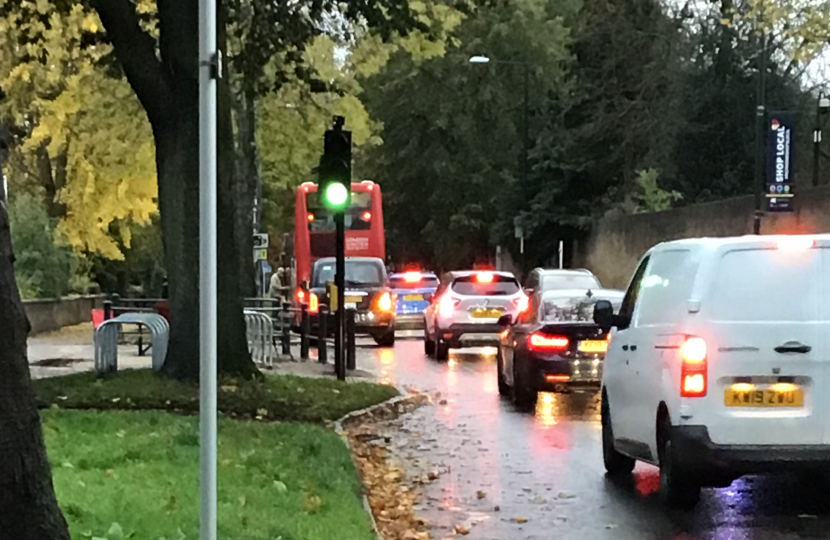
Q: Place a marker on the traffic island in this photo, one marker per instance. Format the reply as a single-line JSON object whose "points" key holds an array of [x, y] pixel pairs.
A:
{"points": [[125, 467]]}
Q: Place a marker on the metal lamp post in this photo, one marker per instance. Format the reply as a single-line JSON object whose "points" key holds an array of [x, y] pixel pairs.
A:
{"points": [[481, 59], [760, 127], [822, 108]]}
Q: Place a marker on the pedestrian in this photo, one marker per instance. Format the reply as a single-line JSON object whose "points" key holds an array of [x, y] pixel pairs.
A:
{"points": [[276, 284]]}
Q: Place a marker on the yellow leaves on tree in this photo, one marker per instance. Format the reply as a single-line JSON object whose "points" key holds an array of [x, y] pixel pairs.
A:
{"points": [[92, 127]]}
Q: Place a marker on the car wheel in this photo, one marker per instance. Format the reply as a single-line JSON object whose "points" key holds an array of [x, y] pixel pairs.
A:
{"points": [[616, 464], [523, 395], [429, 345], [503, 388], [442, 350], [677, 489], [387, 339]]}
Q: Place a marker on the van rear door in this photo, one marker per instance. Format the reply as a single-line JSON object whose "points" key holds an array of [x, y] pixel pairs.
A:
{"points": [[767, 359]]}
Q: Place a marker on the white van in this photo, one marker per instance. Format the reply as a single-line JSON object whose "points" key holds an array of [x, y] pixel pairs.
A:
{"points": [[719, 362]]}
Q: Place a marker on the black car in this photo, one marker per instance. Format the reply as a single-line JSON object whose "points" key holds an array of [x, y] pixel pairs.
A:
{"points": [[367, 292], [554, 345]]}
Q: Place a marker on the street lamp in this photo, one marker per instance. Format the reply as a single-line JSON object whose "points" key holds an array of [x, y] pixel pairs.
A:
{"points": [[482, 59], [822, 107]]}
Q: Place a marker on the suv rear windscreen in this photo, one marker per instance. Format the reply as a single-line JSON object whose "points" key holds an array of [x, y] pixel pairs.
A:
{"points": [[426, 282], [562, 282], [474, 285]]}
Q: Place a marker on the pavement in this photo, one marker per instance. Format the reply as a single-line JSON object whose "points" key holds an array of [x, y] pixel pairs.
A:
{"points": [[488, 471]]}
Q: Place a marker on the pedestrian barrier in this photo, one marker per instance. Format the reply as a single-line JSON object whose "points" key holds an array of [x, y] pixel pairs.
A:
{"points": [[106, 340], [261, 341]]}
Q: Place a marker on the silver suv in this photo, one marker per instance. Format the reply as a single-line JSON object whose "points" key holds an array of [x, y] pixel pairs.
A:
{"points": [[466, 308]]}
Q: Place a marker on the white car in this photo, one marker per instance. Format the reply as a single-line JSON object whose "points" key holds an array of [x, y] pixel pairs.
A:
{"points": [[719, 362], [466, 308]]}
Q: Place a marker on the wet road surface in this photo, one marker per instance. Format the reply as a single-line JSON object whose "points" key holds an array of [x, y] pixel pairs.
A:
{"points": [[508, 474]]}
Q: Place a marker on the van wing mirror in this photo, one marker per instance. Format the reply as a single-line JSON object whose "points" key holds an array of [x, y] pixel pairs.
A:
{"points": [[604, 314], [505, 320]]}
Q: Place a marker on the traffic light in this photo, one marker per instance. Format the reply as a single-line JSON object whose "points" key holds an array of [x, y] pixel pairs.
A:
{"points": [[335, 171]]}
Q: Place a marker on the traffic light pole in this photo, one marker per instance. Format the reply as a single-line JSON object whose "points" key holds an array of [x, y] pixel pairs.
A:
{"points": [[340, 282]]}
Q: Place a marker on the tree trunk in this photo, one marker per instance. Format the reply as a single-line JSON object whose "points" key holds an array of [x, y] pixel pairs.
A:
{"points": [[169, 91], [28, 506], [247, 176]]}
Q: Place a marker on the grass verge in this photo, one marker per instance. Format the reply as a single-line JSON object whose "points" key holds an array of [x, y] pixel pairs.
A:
{"points": [[134, 474], [277, 397]]}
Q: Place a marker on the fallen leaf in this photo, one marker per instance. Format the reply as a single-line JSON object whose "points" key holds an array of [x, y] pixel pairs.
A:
{"points": [[462, 530], [281, 487], [242, 500], [480, 494], [109, 472], [520, 519]]}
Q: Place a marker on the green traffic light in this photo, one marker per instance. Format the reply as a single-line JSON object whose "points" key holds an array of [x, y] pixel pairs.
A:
{"points": [[336, 194]]}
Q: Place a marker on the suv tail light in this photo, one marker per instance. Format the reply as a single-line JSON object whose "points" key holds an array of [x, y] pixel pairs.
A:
{"points": [[313, 303], [540, 342], [300, 296], [522, 303], [447, 306], [694, 370], [385, 302]]}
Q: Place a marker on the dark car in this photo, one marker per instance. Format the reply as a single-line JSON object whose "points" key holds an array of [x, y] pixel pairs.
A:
{"points": [[540, 280], [554, 345], [367, 292]]}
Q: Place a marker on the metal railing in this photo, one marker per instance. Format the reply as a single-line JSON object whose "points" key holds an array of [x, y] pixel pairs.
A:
{"points": [[106, 339], [261, 340]]}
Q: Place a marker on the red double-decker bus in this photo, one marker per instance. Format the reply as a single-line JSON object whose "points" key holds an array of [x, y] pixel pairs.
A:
{"points": [[314, 232]]}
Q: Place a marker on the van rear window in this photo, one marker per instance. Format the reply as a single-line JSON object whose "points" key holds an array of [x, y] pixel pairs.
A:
{"points": [[766, 285]]}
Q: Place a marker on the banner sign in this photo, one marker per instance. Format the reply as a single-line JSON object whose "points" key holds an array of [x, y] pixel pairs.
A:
{"points": [[780, 136]]}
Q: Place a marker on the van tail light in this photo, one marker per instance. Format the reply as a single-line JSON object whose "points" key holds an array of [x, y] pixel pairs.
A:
{"points": [[313, 303], [447, 306], [545, 343], [522, 303], [300, 296], [694, 371], [385, 302]]}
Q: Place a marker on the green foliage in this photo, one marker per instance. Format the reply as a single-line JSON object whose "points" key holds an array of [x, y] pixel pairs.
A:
{"points": [[649, 196], [283, 397], [45, 264], [131, 474]]}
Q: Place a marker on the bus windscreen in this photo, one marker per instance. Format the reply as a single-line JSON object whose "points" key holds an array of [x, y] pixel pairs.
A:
{"points": [[357, 218]]}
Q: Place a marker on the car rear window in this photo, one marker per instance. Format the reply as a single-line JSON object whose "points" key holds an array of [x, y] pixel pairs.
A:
{"points": [[472, 285], [574, 308], [562, 282], [357, 273], [766, 285], [426, 282]]}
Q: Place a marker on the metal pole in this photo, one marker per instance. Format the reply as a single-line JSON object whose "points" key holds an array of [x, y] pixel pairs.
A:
{"points": [[817, 141], [322, 334], [351, 363], [760, 127], [525, 125], [305, 330], [561, 253], [340, 282], [210, 69]]}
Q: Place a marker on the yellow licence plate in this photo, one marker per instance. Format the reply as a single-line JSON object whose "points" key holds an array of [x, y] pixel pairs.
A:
{"points": [[480, 313], [413, 297], [593, 346], [787, 395], [353, 299]]}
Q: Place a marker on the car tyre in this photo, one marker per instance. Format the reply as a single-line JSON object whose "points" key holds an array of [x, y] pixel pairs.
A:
{"points": [[504, 390], [429, 345], [387, 339], [616, 464], [442, 350], [523, 396], [677, 489]]}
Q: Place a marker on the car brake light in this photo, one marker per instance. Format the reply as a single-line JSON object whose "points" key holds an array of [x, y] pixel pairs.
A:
{"points": [[484, 277], [366, 216], [694, 369], [795, 243], [385, 302], [310, 217], [539, 342], [300, 295], [313, 303], [412, 277], [447, 306], [522, 303]]}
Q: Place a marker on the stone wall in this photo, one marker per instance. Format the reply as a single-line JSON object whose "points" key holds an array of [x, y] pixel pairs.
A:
{"points": [[52, 314], [615, 244]]}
